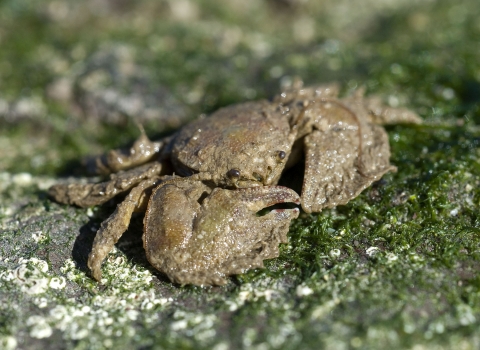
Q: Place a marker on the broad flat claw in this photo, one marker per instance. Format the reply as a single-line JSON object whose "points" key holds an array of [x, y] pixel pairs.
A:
{"points": [[203, 243]]}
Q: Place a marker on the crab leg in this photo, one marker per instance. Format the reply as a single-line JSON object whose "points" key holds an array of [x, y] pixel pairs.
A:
{"points": [[341, 158], [384, 115], [86, 195], [293, 103], [142, 151], [113, 228], [207, 240], [373, 110], [300, 93]]}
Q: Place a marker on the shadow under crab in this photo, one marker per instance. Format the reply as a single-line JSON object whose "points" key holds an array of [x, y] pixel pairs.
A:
{"points": [[202, 187]]}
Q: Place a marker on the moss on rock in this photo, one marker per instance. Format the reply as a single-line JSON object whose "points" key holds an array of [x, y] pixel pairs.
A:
{"points": [[398, 266]]}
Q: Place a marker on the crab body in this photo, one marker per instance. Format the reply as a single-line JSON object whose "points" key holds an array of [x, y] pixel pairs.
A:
{"points": [[203, 187], [250, 138]]}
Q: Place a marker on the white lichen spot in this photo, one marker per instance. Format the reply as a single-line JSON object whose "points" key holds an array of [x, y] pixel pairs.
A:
{"points": [[438, 327], [184, 10], [178, 325], [108, 343], [148, 304], [85, 309], [454, 212], [393, 101], [465, 315], [7, 342], [68, 265], [249, 292], [4, 179], [372, 251], [77, 321], [409, 327], [39, 327], [71, 272], [415, 258], [111, 312], [57, 283], [221, 346], [30, 275], [249, 337], [7, 211], [200, 325], [22, 179], [132, 314], [44, 183], [278, 338], [267, 294], [40, 264], [404, 247], [448, 93], [232, 305], [119, 271], [334, 253], [39, 237], [79, 334], [391, 258], [41, 302], [324, 309], [303, 290]]}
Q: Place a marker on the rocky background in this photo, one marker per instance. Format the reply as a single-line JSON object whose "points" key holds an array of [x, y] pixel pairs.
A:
{"points": [[398, 266]]}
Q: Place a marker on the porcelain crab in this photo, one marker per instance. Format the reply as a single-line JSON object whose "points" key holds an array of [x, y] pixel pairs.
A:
{"points": [[202, 187]]}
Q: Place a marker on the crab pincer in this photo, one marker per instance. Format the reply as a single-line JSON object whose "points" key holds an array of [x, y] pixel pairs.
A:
{"points": [[218, 233]]}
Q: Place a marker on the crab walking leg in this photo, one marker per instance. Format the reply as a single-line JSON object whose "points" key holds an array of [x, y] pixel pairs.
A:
{"points": [[142, 151], [307, 94], [342, 159], [113, 228], [384, 115], [202, 241], [86, 195], [293, 103], [372, 109]]}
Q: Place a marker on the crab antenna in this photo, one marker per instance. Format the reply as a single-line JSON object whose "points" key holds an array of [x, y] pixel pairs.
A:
{"points": [[140, 127]]}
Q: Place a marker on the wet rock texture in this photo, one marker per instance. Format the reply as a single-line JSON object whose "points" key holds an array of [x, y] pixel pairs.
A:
{"points": [[397, 266]]}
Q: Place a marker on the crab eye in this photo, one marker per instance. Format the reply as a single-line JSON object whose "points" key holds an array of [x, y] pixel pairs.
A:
{"points": [[281, 155], [233, 173]]}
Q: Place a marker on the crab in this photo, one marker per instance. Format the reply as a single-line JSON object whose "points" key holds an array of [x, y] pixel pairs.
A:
{"points": [[209, 191]]}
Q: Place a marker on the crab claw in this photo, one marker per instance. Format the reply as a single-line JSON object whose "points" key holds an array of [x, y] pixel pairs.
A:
{"points": [[195, 241]]}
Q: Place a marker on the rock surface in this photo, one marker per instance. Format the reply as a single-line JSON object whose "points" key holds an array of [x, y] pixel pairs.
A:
{"points": [[397, 267]]}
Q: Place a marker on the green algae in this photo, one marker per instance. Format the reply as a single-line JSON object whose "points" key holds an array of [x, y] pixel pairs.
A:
{"points": [[398, 266]]}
